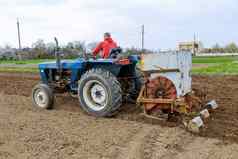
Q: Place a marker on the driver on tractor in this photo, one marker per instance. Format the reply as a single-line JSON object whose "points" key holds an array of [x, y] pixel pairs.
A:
{"points": [[105, 46]]}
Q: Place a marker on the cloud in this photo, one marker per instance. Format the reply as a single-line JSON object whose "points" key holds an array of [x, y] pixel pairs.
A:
{"points": [[166, 21]]}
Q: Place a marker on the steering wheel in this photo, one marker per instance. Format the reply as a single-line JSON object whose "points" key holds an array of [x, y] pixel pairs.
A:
{"points": [[115, 52]]}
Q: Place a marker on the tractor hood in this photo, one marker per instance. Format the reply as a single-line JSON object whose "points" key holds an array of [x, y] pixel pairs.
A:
{"points": [[80, 62], [64, 64]]}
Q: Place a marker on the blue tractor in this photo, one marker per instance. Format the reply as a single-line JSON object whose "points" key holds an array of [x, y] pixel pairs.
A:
{"points": [[101, 85]]}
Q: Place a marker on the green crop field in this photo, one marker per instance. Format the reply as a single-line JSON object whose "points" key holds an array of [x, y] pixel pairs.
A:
{"points": [[212, 65], [217, 65], [224, 68], [23, 62], [208, 60], [19, 69]]}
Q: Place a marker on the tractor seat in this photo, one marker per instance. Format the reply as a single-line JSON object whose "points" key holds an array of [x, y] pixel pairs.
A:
{"points": [[115, 52]]}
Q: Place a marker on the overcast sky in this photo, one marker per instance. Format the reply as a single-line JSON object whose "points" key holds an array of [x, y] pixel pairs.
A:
{"points": [[166, 21]]}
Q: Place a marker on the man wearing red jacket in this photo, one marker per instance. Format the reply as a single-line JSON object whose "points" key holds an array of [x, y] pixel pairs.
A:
{"points": [[105, 46]]}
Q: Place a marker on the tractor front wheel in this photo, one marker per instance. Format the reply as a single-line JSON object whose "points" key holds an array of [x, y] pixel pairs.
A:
{"points": [[42, 96], [99, 93]]}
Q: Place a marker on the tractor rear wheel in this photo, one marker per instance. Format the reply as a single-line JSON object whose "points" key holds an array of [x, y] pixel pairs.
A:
{"points": [[139, 82], [99, 93], [42, 96], [136, 85]]}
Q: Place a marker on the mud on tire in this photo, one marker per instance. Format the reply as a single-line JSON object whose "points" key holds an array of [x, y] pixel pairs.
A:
{"points": [[99, 93]]}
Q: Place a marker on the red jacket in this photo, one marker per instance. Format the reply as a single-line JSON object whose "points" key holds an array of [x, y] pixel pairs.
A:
{"points": [[105, 46]]}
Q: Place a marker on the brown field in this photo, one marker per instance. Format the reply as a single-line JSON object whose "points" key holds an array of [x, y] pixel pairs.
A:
{"points": [[66, 132]]}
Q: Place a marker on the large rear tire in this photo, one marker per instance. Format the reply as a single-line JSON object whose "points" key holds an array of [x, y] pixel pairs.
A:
{"points": [[136, 84], [140, 80], [42, 96], [99, 93]]}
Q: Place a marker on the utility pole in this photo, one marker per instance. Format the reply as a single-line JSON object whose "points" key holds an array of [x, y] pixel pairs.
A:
{"points": [[19, 39], [194, 44], [142, 37], [19, 36]]}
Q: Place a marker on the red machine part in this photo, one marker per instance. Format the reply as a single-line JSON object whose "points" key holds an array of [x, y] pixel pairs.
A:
{"points": [[160, 88], [123, 62]]}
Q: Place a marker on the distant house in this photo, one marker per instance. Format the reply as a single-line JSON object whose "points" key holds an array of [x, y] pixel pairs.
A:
{"points": [[8, 53], [191, 46]]}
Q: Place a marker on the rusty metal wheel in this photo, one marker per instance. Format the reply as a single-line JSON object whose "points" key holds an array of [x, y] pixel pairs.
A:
{"points": [[160, 88]]}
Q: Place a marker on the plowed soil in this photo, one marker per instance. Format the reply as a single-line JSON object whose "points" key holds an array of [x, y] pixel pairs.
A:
{"points": [[67, 132]]}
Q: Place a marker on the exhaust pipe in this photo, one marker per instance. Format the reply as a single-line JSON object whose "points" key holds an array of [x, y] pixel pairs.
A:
{"points": [[58, 60]]}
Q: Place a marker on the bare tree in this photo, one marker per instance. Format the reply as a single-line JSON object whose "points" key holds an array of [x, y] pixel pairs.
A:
{"points": [[231, 48]]}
